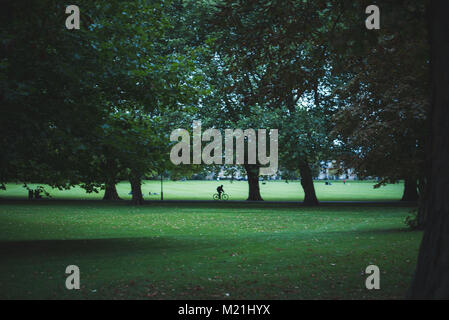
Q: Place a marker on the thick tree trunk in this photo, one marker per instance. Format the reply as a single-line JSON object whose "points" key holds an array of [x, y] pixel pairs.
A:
{"points": [[410, 189], [422, 208], [136, 189], [310, 198], [431, 280], [252, 171], [422, 216], [110, 192]]}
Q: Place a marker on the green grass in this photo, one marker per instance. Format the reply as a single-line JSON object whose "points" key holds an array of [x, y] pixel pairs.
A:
{"points": [[204, 250], [238, 190]]}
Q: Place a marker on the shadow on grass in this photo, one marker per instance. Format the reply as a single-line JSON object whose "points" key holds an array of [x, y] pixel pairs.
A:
{"points": [[210, 203], [363, 233], [156, 246], [389, 231]]}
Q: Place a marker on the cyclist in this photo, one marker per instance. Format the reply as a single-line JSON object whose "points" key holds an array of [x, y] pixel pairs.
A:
{"points": [[220, 191]]}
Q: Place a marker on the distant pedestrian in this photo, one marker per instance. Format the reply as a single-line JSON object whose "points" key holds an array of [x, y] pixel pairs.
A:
{"points": [[37, 194]]}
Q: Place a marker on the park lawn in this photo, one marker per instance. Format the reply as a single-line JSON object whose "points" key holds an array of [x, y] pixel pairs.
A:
{"points": [[203, 250], [237, 190]]}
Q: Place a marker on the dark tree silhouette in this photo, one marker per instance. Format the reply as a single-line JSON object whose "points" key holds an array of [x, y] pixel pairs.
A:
{"points": [[431, 280], [310, 198], [410, 189], [252, 172]]}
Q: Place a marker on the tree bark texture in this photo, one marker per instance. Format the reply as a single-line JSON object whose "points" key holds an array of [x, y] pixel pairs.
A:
{"points": [[431, 280]]}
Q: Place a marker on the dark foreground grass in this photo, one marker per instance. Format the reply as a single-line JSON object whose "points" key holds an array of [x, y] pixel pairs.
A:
{"points": [[203, 251]]}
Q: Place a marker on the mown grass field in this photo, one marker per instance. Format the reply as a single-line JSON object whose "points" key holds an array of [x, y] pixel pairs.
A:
{"points": [[203, 250], [237, 190]]}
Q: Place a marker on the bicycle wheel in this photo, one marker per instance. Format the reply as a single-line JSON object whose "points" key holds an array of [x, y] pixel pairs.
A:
{"points": [[224, 196], [216, 197]]}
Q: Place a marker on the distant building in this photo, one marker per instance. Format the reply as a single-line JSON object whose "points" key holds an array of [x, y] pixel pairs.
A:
{"points": [[224, 173], [332, 170], [329, 170], [238, 174]]}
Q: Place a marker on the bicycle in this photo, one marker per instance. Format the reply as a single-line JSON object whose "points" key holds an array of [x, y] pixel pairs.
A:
{"points": [[224, 196]]}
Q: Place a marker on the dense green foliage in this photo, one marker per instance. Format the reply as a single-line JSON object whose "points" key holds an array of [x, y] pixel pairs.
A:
{"points": [[72, 99], [96, 105]]}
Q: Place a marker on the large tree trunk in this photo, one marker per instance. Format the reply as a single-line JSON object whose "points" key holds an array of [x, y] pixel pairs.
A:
{"points": [[110, 192], [136, 189], [422, 207], [410, 189], [252, 171], [431, 280], [310, 198]]}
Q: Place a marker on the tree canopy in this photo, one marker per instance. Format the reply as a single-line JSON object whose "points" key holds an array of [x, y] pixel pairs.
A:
{"points": [[96, 105]]}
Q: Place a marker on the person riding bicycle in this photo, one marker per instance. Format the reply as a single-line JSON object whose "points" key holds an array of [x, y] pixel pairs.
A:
{"points": [[220, 191]]}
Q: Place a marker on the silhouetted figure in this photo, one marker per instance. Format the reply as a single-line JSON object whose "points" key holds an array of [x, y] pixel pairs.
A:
{"points": [[30, 194], [220, 191]]}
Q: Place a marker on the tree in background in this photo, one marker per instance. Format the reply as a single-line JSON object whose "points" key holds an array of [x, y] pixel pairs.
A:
{"points": [[305, 140], [60, 87], [275, 51], [381, 118], [49, 98]]}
